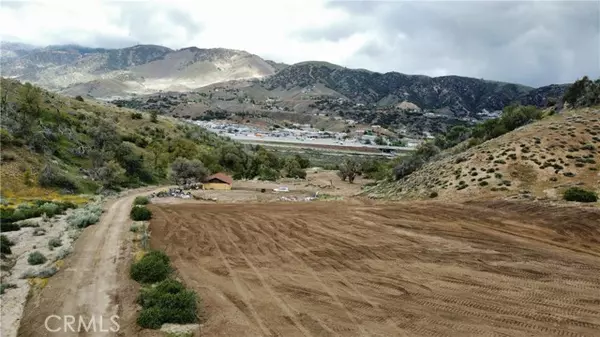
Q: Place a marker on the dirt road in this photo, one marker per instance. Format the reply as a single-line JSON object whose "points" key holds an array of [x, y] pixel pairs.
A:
{"points": [[418, 269], [88, 285]]}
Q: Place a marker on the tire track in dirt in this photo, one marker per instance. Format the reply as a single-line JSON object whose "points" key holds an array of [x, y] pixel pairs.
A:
{"points": [[238, 285], [453, 275], [314, 274], [280, 302]]}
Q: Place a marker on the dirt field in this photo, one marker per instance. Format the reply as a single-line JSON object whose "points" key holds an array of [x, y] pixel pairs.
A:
{"points": [[418, 269]]}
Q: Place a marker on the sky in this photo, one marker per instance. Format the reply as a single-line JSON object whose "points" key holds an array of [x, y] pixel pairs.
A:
{"points": [[531, 42]]}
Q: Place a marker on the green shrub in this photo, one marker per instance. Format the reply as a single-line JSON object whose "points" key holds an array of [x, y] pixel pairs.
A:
{"points": [[83, 217], [5, 137], [150, 318], [5, 286], [5, 244], [43, 273], [153, 267], [167, 302], [140, 213], [36, 258], [141, 200], [54, 242], [433, 194], [50, 209], [580, 195], [7, 156], [53, 177]]}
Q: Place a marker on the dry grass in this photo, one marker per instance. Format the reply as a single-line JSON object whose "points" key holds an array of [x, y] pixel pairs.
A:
{"points": [[539, 160]]}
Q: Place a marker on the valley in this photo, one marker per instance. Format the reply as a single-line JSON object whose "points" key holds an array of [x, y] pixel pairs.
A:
{"points": [[210, 192]]}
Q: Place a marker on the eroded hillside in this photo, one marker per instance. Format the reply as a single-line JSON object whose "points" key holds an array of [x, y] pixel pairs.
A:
{"points": [[536, 161]]}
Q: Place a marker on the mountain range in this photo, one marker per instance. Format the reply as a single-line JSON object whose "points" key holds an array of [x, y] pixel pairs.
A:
{"points": [[150, 69]]}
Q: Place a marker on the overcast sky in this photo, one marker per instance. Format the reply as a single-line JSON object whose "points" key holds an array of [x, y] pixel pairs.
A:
{"points": [[533, 43]]}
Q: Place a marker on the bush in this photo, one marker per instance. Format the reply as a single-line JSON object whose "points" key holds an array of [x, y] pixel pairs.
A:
{"points": [[62, 254], [50, 209], [54, 242], [167, 302], [79, 98], [36, 258], [433, 194], [580, 195], [7, 156], [153, 267], [140, 213], [86, 216], [5, 286], [136, 115], [52, 177], [42, 273], [5, 244], [150, 318], [141, 200], [5, 137]]}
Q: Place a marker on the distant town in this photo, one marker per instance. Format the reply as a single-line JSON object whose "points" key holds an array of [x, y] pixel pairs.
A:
{"points": [[305, 134]]}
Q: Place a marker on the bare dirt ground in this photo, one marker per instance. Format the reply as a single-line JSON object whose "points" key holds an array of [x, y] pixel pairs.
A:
{"points": [[321, 181], [372, 269], [88, 284]]}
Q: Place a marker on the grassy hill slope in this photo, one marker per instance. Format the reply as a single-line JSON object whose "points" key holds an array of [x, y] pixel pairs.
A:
{"points": [[539, 160], [77, 141]]}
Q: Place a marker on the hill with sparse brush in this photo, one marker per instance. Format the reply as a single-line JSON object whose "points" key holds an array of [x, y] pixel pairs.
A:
{"points": [[536, 161]]}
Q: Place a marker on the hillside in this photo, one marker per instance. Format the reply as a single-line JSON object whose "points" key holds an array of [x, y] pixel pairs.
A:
{"points": [[54, 143], [79, 146], [99, 72], [536, 161], [309, 89]]}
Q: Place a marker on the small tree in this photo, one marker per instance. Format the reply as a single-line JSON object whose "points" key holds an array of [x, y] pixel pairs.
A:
{"points": [[111, 175], [293, 169], [184, 170], [349, 169], [154, 116]]}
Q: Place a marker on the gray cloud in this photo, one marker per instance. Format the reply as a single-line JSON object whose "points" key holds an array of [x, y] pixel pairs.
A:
{"points": [[534, 43], [138, 18]]}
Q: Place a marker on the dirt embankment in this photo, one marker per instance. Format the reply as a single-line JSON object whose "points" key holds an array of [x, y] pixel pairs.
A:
{"points": [[403, 269]]}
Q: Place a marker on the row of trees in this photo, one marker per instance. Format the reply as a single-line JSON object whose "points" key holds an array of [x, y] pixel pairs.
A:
{"points": [[243, 164]]}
